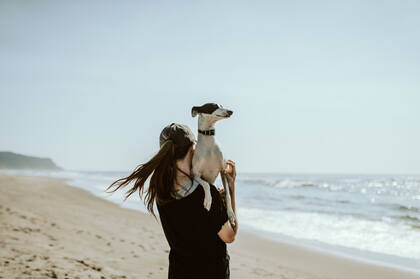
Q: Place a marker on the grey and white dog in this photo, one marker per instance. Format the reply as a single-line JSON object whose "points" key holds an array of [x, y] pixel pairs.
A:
{"points": [[208, 161]]}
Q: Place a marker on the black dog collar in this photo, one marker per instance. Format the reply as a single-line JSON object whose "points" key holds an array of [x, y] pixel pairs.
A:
{"points": [[207, 132]]}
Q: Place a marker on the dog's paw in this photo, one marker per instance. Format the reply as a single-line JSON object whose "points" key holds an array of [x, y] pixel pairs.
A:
{"points": [[207, 202]]}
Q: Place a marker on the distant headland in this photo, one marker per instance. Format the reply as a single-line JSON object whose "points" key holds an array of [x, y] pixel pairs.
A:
{"points": [[10, 160]]}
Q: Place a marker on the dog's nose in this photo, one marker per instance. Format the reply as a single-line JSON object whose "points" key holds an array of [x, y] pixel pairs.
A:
{"points": [[229, 112]]}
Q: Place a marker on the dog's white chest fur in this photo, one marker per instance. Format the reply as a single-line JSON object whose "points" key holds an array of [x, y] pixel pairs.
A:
{"points": [[209, 167]]}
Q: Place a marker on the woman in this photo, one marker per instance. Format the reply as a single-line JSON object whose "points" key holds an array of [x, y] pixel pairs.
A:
{"points": [[197, 237]]}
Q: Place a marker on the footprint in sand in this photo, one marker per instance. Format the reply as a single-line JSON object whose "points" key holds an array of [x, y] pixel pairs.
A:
{"points": [[91, 266], [50, 237], [31, 259]]}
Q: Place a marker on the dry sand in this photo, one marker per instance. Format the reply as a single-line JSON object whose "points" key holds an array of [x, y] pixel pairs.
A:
{"points": [[51, 230]]}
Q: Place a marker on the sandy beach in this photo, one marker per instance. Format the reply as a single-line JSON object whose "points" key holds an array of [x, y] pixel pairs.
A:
{"points": [[51, 230]]}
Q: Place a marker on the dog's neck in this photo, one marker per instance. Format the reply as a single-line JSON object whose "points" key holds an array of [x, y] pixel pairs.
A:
{"points": [[205, 125]]}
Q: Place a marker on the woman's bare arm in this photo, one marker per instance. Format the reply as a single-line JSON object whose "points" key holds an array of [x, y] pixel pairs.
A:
{"points": [[227, 233]]}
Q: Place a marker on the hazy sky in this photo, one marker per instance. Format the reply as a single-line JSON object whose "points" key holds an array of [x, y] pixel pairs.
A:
{"points": [[315, 86]]}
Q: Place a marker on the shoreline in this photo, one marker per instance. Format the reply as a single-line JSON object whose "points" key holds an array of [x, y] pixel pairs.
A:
{"points": [[350, 253], [322, 263], [322, 250], [35, 203]]}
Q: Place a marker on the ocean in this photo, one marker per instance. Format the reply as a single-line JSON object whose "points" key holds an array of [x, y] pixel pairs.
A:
{"points": [[367, 217]]}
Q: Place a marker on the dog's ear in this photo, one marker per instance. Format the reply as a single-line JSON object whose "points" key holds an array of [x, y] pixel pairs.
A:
{"points": [[194, 111]]}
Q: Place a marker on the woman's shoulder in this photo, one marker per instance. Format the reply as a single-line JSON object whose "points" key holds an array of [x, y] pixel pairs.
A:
{"points": [[200, 189], [196, 194], [213, 190]]}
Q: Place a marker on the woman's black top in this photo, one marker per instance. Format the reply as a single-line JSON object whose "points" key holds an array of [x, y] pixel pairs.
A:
{"points": [[196, 249]]}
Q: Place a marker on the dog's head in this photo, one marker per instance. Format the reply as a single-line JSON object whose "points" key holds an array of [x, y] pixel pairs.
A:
{"points": [[211, 110]]}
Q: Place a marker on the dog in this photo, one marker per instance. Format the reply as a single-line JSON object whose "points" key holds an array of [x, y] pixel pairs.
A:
{"points": [[208, 161]]}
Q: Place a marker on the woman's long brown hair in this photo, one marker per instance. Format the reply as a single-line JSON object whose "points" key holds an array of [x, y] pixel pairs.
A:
{"points": [[163, 167]]}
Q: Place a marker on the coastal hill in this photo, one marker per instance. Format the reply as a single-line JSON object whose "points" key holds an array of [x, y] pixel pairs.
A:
{"points": [[10, 160]]}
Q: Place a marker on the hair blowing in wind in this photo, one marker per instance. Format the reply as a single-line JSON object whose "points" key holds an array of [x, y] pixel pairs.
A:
{"points": [[162, 167]]}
